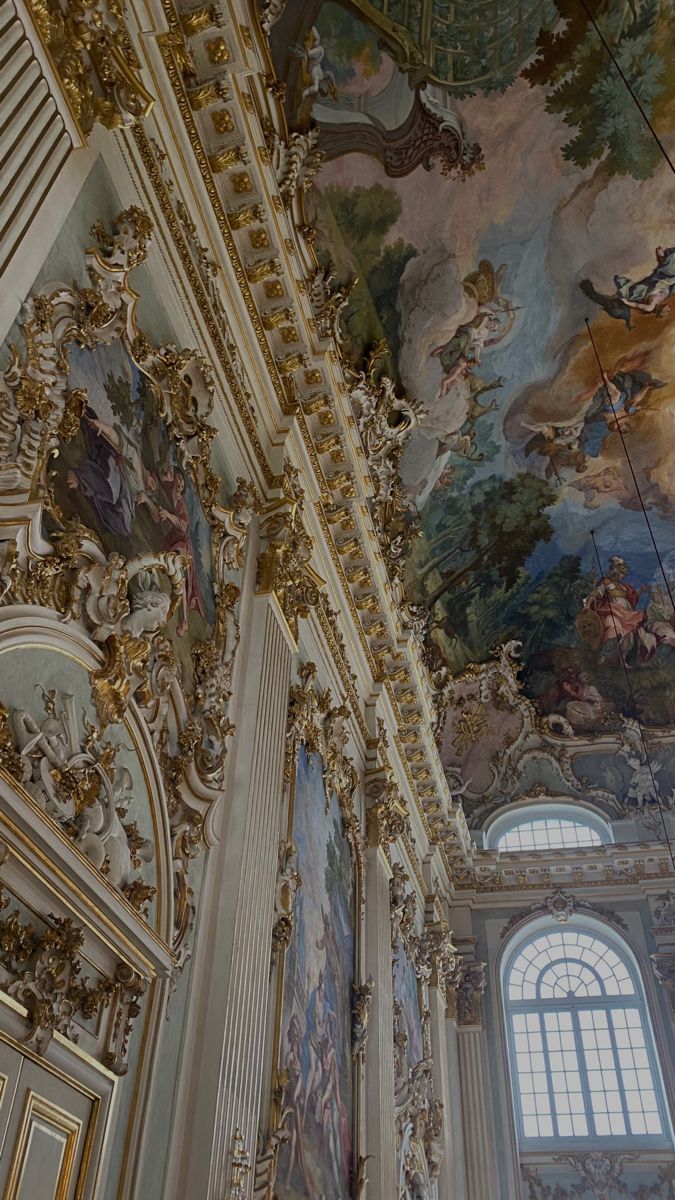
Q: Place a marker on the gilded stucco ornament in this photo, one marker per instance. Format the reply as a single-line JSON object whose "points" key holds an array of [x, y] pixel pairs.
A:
{"points": [[267, 1153], [42, 969], [94, 58], [328, 302], [283, 566], [124, 604], [296, 161], [73, 776], [465, 987], [362, 999], [386, 812], [322, 728], [402, 906], [288, 882], [419, 1113], [385, 422]]}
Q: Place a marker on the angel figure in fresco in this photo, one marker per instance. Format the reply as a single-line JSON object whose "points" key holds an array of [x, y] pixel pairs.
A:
{"points": [[319, 82], [462, 352], [328, 943], [610, 614], [649, 294], [111, 475], [175, 516]]}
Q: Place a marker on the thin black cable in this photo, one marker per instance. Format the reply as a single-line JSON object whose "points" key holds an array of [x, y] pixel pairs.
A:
{"points": [[630, 465], [638, 722], [636, 101]]}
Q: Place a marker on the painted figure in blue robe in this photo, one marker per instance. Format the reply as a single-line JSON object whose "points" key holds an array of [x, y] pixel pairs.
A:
{"points": [[612, 405], [648, 295]]}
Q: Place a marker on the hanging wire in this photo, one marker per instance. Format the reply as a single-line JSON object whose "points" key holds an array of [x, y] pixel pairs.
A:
{"points": [[638, 722], [636, 100], [630, 465]]}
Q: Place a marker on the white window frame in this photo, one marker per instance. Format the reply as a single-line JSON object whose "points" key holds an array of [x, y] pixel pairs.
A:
{"points": [[639, 1000], [558, 810]]}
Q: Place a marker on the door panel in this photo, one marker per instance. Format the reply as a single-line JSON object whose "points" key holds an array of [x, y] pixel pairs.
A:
{"points": [[46, 1138]]}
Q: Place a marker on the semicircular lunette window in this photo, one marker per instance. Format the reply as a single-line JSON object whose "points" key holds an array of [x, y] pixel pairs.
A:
{"points": [[547, 833], [582, 1056]]}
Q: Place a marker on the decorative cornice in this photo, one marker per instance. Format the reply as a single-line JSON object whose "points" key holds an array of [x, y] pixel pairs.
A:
{"points": [[561, 906]]}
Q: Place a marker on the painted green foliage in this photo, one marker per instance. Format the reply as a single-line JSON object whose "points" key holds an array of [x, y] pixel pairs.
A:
{"points": [[360, 219], [585, 88]]}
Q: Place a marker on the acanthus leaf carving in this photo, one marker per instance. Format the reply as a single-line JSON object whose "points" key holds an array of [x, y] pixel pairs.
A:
{"points": [[94, 58], [562, 906], [465, 987], [283, 566]]}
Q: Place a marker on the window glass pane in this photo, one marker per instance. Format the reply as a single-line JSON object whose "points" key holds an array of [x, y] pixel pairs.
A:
{"points": [[531, 1077], [582, 1056], [567, 962], [603, 1081], [568, 1099], [635, 1071], [548, 833]]}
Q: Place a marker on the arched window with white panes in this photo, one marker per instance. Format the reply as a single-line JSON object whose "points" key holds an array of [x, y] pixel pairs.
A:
{"points": [[581, 1050], [547, 827]]}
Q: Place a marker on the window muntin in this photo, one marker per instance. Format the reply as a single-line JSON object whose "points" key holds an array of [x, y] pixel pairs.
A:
{"points": [[580, 1048], [547, 833]]}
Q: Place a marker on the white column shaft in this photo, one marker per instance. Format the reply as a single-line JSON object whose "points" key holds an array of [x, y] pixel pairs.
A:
{"points": [[479, 1140]]}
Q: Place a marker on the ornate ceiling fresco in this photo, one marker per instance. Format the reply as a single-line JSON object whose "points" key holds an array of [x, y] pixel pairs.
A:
{"points": [[506, 213]]}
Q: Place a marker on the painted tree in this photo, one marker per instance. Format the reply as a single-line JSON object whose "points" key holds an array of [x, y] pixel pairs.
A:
{"points": [[502, 523], [586, 90]]}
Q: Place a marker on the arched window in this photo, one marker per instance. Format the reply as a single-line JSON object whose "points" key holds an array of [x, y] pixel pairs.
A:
{"points": [[581, 1051], [547, 827]]}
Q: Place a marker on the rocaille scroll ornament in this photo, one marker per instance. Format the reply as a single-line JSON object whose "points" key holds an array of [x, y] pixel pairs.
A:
{"points": [[122, 604]]}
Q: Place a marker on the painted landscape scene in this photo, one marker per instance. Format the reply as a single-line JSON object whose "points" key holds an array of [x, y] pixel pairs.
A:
{"points": [[508, 217]]}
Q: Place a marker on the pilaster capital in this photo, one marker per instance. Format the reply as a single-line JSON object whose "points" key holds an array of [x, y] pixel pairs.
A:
{"points": [[283, 565], [466, 985], [386, 812]]}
